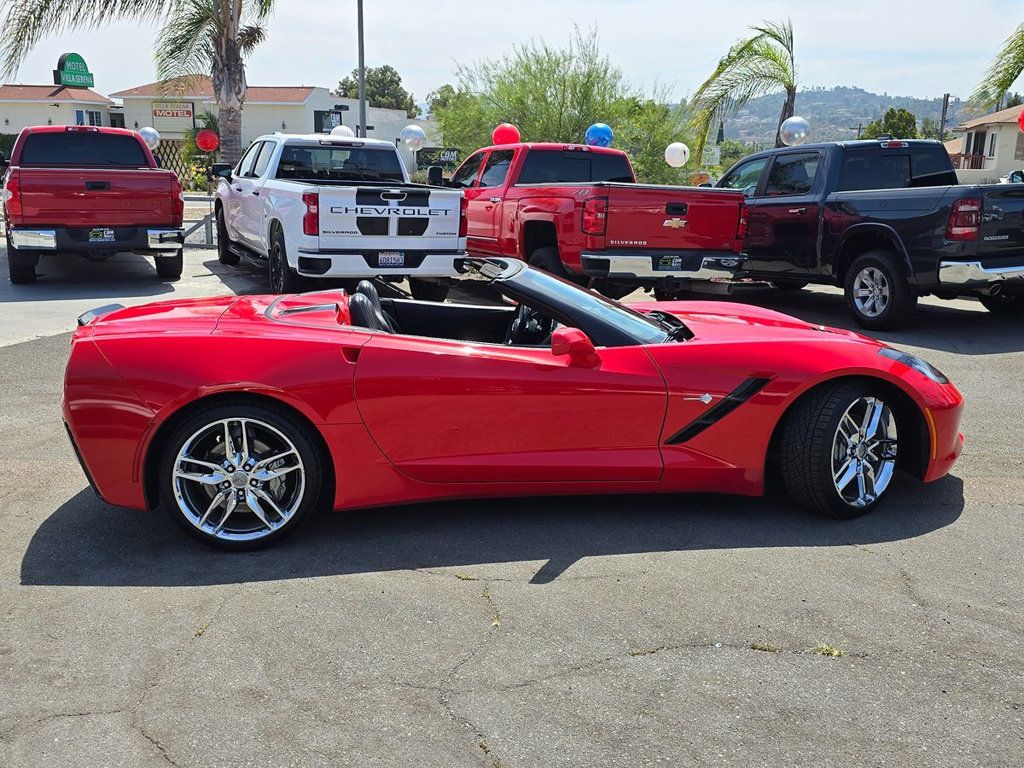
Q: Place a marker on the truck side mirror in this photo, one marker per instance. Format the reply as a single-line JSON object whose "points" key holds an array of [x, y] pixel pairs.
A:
{"points": [[577, 345], [225, 173], [435, 176]]}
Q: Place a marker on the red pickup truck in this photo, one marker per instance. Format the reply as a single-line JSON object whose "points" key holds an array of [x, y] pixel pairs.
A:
{"points": [[578, 212], [92, 191]]}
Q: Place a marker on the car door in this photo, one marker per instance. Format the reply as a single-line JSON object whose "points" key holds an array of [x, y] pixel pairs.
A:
{"points": [[467, 178], [253, 203], [236, 193], [782, 216], [243, 185], [455, 412], [485, 203]]}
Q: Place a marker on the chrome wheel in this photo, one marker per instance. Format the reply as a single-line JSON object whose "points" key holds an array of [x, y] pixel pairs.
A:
{"points": [[864, 452], [238, 479], [871, 292]]}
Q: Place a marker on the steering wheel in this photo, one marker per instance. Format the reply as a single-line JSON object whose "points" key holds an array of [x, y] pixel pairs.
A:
{"points": [[528, 326]]}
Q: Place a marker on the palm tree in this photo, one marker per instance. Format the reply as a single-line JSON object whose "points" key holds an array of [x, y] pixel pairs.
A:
{"points": [[1007, 66], [196, 37], [757, 65]]}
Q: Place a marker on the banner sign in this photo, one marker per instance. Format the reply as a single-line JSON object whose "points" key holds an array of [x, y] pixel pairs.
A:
{"points": [[174, 116], [72, 70], [446, 157]]}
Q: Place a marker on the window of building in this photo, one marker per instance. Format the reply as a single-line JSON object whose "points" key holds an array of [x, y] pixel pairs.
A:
{"points": [[992, 145], [1018, 152], [88, 117]]}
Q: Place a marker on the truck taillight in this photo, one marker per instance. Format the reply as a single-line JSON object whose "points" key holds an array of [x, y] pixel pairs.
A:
{"points": [[741, 225], [463, 216], [311, 218], [595, 216], [964, 220], [12, 197], [177, 198]]}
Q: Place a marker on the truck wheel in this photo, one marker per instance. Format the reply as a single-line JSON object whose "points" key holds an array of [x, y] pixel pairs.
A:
{"points": [[788, 285], [20, 266], [169, 267], [1004, 304], [424, 290], [283, 279], [612, 289], [224, 252], [877, 293], [839, 449], [548, 260]]}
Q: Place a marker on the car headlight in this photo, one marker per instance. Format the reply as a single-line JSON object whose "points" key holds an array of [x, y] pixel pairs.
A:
{"points": [[919, 365]]}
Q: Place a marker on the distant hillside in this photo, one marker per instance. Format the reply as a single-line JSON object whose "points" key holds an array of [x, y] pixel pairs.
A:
{"points": [[834, 113]]}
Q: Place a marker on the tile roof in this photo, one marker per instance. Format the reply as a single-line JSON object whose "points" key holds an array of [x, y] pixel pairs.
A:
{"points": [[201, 87], [50, 93], [1008, 115]]}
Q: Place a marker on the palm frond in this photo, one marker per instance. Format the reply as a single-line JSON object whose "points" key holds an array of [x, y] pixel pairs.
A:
{"points": [[1007, 66], [250, 36], [184, 44]]}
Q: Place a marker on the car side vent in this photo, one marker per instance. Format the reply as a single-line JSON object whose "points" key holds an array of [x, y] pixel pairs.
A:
{"points": [[719, 411]]}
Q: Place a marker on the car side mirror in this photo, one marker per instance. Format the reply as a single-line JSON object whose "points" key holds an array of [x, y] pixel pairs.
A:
{"points": [[226, 174], [435, 176], [579, 348]]}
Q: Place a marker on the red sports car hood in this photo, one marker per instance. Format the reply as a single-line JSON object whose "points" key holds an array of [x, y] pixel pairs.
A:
{"points": [[724, 320]]}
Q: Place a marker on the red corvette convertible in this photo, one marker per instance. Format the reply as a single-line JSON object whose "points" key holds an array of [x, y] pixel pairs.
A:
{"points": [[240, 415]]}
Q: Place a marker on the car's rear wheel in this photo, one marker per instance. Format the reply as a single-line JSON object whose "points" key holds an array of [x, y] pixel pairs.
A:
{"points": [[283, 279], [240, 475], [1005, 304], [839, 449], [170, 267], [878, 294], [425, 290], [21, 267], [224, 253]]}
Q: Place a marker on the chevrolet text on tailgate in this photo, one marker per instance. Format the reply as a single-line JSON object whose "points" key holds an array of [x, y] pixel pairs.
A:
{"points": [[91, 191], [332, 206], [578, 212]]}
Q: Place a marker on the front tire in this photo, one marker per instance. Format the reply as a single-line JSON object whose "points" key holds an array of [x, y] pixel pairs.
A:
{"points": [[224, 253], [170, 267], [240, 475], [839, 449], [1004, 305], [877, 293], [425, 290], [283, 279]]}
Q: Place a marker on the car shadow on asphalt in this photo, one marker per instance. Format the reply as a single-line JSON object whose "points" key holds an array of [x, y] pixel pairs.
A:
{"points": [[69, 276], [88, 543]]}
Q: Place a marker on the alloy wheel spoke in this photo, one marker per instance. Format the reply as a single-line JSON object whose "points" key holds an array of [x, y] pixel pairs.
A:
{"points": [[207, 464], [870, 479], [860, 483], [266, 475], [214, 478], [253, 503], [217, 501], [245, 443], [263, 463], [266, 497], [232, 503], [846, 474], [872, 417]]}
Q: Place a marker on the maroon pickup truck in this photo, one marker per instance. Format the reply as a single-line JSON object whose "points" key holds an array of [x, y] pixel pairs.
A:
{"points": [[91, 191], [577, 211]]}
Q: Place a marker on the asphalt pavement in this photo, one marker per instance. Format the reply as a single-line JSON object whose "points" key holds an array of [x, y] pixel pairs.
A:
{"points": [[589, 631]]}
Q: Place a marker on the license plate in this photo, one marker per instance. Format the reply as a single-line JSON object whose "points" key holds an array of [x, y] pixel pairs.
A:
{"points": [[101, 235], [391, 259], [668, 263]]}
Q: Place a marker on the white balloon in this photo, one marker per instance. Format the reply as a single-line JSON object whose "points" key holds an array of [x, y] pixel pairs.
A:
{"points": [[342, 130], [794, 131], [413, 136], [677, 154], [151, 136]]}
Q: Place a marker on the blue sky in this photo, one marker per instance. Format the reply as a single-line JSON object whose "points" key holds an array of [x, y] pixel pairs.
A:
{"points": [[904, 48]]}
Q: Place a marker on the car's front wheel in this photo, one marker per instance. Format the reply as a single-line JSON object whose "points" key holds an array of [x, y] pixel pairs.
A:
{"points": [[839, 449], [240, 475], [283, 279], [224, 253]]}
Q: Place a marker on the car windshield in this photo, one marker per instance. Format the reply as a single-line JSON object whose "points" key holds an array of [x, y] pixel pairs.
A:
{"points": [[339, 163]]}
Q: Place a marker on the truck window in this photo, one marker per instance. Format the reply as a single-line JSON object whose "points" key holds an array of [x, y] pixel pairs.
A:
{"points": [[263, 160], [496, 169], [792, 174], [244, 167], [931, 167], [871, 169], [466, 175], [745, 176], [315, 162], [557, 166], [87, 149]]}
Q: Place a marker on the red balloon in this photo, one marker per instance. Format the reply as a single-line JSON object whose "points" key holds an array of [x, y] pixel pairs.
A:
{"points": [[207, 140], [1020, 120], [506, 133]]}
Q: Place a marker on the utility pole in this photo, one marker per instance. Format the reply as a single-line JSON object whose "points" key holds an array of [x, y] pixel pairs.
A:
{"points": [[362, 72], [942, 122]]}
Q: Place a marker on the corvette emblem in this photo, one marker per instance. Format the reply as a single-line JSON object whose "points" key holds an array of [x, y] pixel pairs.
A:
{"points": [[706, 398], [674, 223]]}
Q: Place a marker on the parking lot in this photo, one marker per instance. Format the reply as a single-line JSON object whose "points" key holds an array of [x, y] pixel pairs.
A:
{"points": [[668, 630]]}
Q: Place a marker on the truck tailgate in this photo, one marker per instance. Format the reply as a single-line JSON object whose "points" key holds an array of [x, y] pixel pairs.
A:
{"points": [[389, 218], [84, 197], [673, 218], [1002, 224]]}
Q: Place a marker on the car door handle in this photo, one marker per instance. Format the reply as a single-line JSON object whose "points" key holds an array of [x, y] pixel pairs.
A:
{"points": [[97, 185], [256, 192], [797, 211], [495, 199]]}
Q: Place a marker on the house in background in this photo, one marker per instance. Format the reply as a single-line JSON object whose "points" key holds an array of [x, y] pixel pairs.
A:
{"points": [[24, 105], [992, 147]]}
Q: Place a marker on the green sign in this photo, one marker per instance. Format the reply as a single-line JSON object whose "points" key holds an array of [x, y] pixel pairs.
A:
{"points": [[72, 70]]}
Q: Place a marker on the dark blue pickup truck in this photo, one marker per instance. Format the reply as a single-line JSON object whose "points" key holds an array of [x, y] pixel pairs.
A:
{"points": [[885, 220]]}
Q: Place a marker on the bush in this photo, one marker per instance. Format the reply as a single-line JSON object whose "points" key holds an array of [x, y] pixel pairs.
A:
{"points": [[7, 143]]}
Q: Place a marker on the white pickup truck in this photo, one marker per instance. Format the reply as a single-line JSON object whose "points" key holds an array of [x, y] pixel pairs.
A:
{"points": [[337, 207]]}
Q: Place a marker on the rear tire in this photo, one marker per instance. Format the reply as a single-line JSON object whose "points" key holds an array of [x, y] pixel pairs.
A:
{"points": [[425, 290], [816, 456], [548, 260], [170, 267], [612, 289], [877, 292], [283, 279], [224, 253], [20, 266], [1004, 305]]}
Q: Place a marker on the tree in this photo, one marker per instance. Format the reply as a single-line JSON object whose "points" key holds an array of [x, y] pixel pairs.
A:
{"points": [[439, 98], [755, 66], [1013, 100], [197, 37], [898, 123], [555, 94], [1007, 66], [383, 89], [930, 130]]}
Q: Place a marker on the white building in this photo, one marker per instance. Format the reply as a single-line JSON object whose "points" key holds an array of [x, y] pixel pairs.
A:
{"points": [[992, 146], [24, 105]]}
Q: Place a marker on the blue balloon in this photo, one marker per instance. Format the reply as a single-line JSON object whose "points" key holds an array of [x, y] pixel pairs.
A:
{"points": [[599, 135]]}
